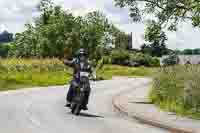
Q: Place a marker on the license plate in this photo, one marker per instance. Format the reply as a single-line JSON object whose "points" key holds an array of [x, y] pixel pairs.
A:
{"points": [[84, 74]]}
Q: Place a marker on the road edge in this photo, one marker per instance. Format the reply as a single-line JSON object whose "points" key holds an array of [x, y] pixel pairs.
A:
{"points": [[25, 90], [116, 104]]}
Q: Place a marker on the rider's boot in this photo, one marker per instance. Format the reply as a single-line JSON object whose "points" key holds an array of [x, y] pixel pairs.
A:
{"points": [[68, 104], [85, 107], [69, 96]]}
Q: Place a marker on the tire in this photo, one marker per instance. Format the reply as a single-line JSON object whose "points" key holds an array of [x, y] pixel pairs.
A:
{"points": [[77, 110], [73, 108]]}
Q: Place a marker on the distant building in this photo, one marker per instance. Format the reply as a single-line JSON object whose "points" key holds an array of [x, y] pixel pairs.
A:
{"points": [[137, 40], [186, 59]]}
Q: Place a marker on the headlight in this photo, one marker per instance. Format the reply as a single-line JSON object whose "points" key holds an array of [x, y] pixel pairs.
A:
{"points": [[82, 89], [84, 74]]}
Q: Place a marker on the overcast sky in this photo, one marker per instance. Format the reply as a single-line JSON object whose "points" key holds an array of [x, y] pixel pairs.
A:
{"points": [[15, 13]]}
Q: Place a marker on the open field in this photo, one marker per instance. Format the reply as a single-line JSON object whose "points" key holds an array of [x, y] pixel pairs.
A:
{"points": [[115, 70], [21, 73]]}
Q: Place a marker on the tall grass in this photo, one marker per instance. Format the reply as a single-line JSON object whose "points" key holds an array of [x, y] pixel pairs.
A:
{"points": [[21, 73], [16, 73], [177, 89], [108, 71]]}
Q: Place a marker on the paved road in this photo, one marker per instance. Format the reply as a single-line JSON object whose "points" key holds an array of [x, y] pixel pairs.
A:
{"points": [[42, 111]]}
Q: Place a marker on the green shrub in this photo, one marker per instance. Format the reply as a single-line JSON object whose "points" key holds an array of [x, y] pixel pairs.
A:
{"points": [[123, 57], [155, 62], [4, 48], [170, 60], [140, 59], [107, 60], [120, 57], [137, 59]]}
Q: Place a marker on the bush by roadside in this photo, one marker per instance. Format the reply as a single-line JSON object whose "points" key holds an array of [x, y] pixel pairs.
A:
{"points": [[120, 57], [170, 60], [140, 59], [177, 89], [135, 59]]}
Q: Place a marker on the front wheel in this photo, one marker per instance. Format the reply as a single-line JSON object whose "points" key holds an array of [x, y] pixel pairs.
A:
{"points": [[73, 107], [77, 110]]}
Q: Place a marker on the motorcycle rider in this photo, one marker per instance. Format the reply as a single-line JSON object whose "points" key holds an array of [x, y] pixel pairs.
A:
{"points": [[80, 63]]}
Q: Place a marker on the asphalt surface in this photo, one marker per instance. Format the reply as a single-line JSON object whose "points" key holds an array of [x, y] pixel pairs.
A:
{"points": [[42, 111]]}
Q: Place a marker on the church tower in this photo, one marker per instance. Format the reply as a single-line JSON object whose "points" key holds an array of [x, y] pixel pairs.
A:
{"points": [[130, 41]]}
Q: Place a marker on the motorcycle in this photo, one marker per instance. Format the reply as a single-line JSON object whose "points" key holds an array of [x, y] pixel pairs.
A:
{"points": [[79, 98]]}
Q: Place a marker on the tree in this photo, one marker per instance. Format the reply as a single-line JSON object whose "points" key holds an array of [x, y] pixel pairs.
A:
{"points": [[156, 39], [57, 33], [187, 51], [6, 37], [196, 51], [121, 40], [146, 49], [92, 33], [168, 13], [49, 38], [4, 48], [46, 9], [178, 52]]}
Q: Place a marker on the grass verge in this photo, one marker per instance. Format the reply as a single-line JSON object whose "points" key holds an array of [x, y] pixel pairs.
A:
{"points": [[177, 89], [108, 71]]}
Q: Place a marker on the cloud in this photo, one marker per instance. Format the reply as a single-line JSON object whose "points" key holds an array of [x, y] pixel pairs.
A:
{"points": [[2, 28], [15, 13]]}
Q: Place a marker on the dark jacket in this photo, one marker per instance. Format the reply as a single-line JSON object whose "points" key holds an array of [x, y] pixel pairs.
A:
{"points": [[78, 66]]}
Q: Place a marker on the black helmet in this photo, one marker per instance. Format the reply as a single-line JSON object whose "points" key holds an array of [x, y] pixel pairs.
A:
{"points": [[82, 52]]}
